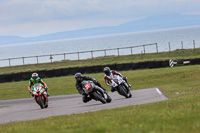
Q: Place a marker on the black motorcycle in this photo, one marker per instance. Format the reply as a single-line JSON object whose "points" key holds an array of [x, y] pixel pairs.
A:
{"points": [[95, 92]]}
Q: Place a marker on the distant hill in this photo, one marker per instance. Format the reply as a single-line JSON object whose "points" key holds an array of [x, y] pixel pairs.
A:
{"points": [[150, 23]]}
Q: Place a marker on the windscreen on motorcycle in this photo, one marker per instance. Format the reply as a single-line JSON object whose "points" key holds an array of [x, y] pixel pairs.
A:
{"points": [[87, 86], [84, 82], [37, 87], [117, 79]]}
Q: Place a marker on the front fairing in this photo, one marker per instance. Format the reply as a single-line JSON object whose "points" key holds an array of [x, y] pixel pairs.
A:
{"points": [[117, 80], [38, 89], [88, 91], [88, 87], [120, 80]]}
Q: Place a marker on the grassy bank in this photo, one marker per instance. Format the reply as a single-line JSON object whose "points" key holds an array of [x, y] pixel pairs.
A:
{"points": [[140, 79], [177, 54], [179, 114]]}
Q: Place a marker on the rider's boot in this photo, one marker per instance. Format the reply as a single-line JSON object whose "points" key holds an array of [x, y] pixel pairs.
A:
{"points": [[113, 89], [104, 89], [46, 89], [86, 98]]}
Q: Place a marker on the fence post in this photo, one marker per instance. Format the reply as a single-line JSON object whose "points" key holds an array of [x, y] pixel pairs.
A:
{"points": [[131, 51], [92, 54], [78, 55], [157, 47], [118, 51], [37, 59], [64, 56], [169, 46], [194, 43], [144, 48], [9, 62], [51, 58], [105, 52], [23, 60], [182, 44]]}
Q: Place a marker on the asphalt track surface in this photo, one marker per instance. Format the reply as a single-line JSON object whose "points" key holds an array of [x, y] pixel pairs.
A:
{"points": [[27, 109]]}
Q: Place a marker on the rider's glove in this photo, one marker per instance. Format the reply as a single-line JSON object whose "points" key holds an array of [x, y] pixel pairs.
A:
{"points": [[46, 88], [30, 91], [95, 82]]}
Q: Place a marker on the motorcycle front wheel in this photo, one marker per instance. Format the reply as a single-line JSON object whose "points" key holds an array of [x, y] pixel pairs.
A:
{"points": [[40, 101], [99, 97], [109, 99], [123, 91], [46, 106]]}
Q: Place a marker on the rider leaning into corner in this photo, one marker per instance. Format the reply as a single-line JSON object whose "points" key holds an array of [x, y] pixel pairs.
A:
{"points": [[79, 78], [109, 75], [35, 79]]}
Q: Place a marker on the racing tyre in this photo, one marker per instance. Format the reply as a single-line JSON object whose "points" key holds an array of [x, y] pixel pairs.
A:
{"points": [[123, 91], [40, 102], [109, 99], [130, 95], [46, 103], [99, 97], [46, 106]]}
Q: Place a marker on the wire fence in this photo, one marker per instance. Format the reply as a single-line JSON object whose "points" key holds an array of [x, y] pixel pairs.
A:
{"points": [[139, 49], [79, 55]]}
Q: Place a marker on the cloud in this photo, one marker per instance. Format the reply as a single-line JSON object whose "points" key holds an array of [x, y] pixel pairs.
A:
{"points": [[20, 11], [23, 11], [185, 0], [50, 15], [39, 28]]}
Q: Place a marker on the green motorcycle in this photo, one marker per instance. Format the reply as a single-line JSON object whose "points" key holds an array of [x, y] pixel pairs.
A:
{"points": [[40, 95]]}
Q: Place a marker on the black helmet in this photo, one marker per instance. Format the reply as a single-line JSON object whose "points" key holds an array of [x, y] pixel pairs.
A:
{"points": [[107, 71], [78, 76]]}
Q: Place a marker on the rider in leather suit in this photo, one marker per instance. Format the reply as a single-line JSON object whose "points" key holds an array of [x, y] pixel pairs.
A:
{"points": [[109, 74], [79, 78]]}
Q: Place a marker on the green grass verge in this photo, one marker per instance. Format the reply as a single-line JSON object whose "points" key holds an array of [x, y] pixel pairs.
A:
{"points": [[179, 114], [140, 79], [177, 54], [3, 106]]}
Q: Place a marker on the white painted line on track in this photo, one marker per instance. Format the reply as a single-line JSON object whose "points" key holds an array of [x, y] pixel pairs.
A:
{"points": [[159, 92]]}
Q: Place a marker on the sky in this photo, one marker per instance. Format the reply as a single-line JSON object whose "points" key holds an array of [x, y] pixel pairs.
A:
{"points": [[28, 18]]}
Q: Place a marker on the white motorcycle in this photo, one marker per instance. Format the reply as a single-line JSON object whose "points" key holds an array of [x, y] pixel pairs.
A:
{"points": [[121, 86], [40, 95]]}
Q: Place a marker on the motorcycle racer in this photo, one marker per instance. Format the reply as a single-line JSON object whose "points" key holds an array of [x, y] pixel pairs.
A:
{"points": [[79, 78], [35, 79], [109, 75]]}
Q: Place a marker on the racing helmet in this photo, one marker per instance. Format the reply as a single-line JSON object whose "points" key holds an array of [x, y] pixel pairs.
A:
{"points": [[107, 71], [78, 76], [34, 76]]}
